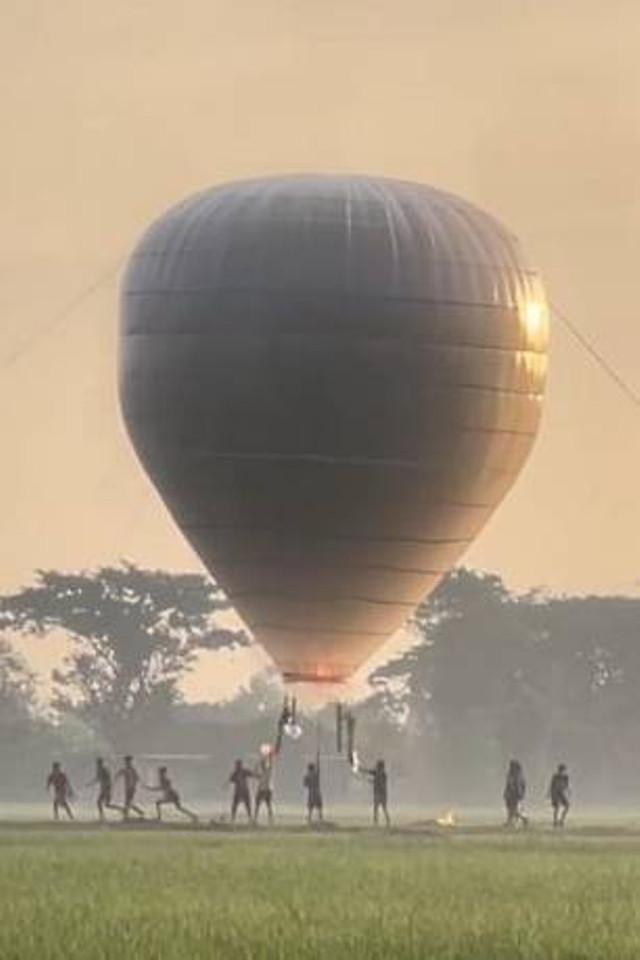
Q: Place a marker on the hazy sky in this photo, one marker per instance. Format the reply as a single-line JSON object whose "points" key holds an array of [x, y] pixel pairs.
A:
{"points": [[111, 111]]}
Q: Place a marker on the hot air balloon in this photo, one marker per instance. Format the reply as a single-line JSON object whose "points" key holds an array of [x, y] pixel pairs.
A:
{"points": [[332, 381]]}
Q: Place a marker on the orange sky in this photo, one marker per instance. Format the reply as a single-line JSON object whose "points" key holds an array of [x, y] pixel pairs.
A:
{"points": [[112, 111]]}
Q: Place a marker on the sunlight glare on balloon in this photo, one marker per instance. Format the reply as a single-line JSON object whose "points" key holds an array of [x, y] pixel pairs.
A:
{"points": [[536, 316]]}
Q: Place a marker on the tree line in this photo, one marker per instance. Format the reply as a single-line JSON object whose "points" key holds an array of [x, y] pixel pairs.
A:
{"points": [[493, 674]]}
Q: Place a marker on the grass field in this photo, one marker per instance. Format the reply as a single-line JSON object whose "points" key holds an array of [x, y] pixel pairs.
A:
{"points": [[146, 894]]}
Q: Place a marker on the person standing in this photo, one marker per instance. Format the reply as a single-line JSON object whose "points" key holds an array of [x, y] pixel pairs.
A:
{"points": [[264, 790], [559, 794], [311, 784], [130, 778], [515, 789], [379, 781], [58, 783], [239, 778]]}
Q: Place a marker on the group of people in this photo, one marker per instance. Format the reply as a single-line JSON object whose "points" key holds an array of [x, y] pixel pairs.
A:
{"points": [[515, 789], [240, 780], [59, 785]]}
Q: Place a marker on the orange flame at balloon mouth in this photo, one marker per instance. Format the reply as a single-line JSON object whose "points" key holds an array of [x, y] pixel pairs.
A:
{"points": [[318, 675]]}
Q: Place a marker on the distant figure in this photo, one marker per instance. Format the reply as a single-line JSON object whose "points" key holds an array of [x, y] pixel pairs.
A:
{"points": [[169, 796], [264, 791], [58, 782], [130, 777], [103, 781], [379, 781], [559, 793], [241, 794], [515, 789], [311, 784]]}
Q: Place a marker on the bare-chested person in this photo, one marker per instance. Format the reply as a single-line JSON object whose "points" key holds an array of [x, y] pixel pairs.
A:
{"points": [[130, 778], [58, 782], [311, 784], [240, 777], [515, 788], [169, 795], [264, 790], [104, 783], [379, 782], [559, 794]]}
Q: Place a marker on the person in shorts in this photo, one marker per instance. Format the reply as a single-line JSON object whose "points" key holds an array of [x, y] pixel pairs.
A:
{"points": [[515, 788], [169, 796], [58, 783], [379, 781], [104, 783], [559, 794], [264, 790], [239, 778], [311, 784], [131, 779]]}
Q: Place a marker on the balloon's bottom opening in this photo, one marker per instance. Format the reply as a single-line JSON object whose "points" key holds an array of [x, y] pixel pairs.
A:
{"points": [[317, 677]]}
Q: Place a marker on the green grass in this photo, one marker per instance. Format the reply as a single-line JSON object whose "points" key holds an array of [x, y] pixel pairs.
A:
{"points": [[128, 894]]}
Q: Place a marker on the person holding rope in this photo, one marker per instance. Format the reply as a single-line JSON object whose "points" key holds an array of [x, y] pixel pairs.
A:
{"points": [[264, 775], [379, 782], [130, 778], [169, 795], [103, 781]]}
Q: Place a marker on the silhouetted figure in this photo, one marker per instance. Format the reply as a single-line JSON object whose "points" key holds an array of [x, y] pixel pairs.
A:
{"points": [[130, 778], [264, 791], [515, 789], [241, 793], [311, 784], [288, 716], [169, 796], [58, 782], [559, 793], [379, 781], [103, 781]]}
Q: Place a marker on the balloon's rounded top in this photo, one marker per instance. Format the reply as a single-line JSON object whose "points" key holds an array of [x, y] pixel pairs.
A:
{"points": [[351, 234], [327, 195], [332, 381]]}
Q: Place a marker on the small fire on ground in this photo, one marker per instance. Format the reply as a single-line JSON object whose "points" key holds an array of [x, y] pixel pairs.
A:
{"points": [[447, 819]]}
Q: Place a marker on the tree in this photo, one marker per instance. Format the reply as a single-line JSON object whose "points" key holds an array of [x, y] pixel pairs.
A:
{"points": [[133, 633], [27, 740], [17, 695], [462, 680], [540, 677], [586, 675]]}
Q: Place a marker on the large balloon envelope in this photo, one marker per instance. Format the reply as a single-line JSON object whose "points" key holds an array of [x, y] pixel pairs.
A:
{"points": [[332, 381]]}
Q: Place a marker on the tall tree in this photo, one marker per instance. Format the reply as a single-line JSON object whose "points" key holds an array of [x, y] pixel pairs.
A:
{"points": [[540, 677], [133, 632], [465, 689], [17, 694]]}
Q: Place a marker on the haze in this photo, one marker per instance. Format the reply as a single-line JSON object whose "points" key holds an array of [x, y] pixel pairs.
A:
{"points": [[113, 111]]}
